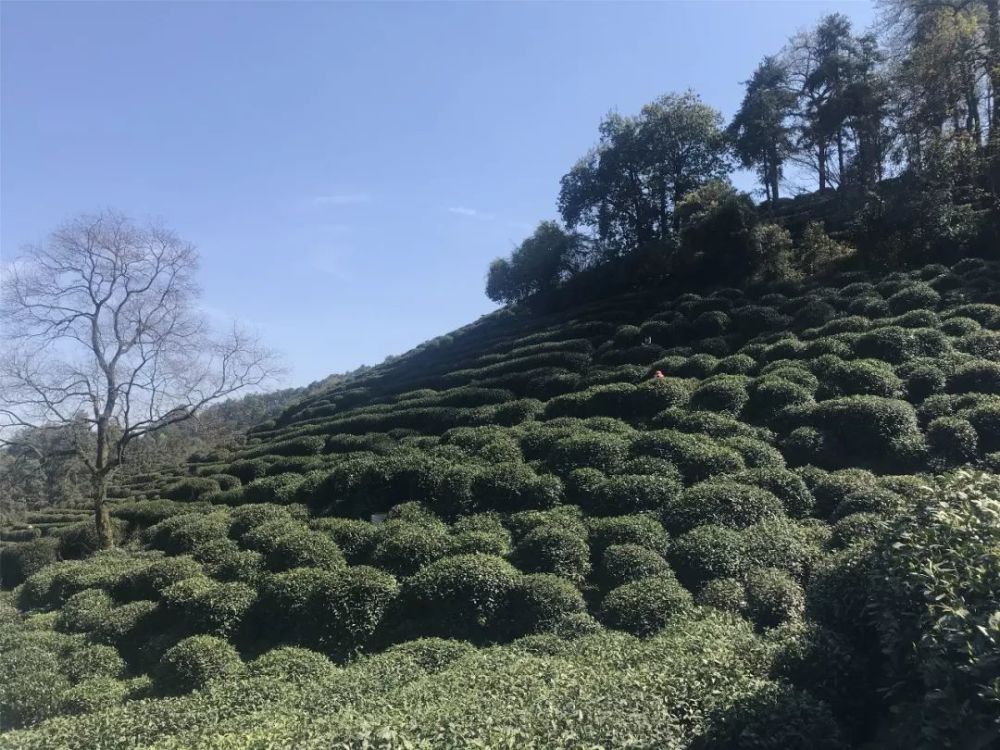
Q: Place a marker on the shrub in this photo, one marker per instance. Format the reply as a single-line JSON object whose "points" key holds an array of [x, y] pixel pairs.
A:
{"points": [[786, 485], [80, 539], [191, 488], [725, 394], [93, 694], [869, 500], [596, 451], [247, 470], [460, 596], [625, 493], [868, 426], [179, 534], [770, 395], [624, 563], [93, 661], [225, 561], [838, 593], [830, 490], [791, 546], [404, 548], [541, 602], [305, 548], [84, 611], [195, 662], [279, 489], [755, 453], [355, 538], [856, 527], [981, 344], [32, 687], [914, 297], [264, 538], [721, 502], [637, 529], [696, 456], [349, 608], [953, 439], [515, 486], [300, 666], [706, 553], [202, 605], [861, 377], [986, 420], [149, 581], [726, 594], [935, 586], [775, 717], [975, 377], [124, 625], [553, 549], [21, 560], [655, 395], [645, 607], [923, 381], [247, 517], [773, 597]]}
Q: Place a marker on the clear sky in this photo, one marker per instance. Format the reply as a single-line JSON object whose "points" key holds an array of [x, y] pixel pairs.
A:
{"points": [[346, 170]]}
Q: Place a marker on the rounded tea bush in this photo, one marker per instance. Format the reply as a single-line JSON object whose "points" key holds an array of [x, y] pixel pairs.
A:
{"points": [[305, 548], [721, 502], [403, 548], [706, 553], [349, 608], [21, 560], [84, 611], [196, 661], [773, 597], [624, 563], [149, 581], [540, 602], [300, 666], [726, 394], [975, 377], [551, 548], [776, 717], [914, 297], [460, 596], [645, 607], [93, 661], [953, 439], [726, 594], [643, 530], [625, 493]]}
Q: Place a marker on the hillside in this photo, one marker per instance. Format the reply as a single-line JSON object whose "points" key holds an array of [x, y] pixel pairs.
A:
{"points": [[518, 536]]}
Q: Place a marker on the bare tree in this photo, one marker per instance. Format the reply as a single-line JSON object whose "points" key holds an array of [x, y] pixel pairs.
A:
{"points": [[101, 332]]}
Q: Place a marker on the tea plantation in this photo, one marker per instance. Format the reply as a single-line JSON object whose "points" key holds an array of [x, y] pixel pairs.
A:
{"points": [[517, 536]]}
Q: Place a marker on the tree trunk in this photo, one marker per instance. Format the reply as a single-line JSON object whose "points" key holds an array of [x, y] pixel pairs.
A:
{"points": [[102, 518], [821, 159]]}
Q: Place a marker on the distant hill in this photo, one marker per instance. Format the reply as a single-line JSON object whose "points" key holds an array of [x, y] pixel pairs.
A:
{"points": [[520, 535]]}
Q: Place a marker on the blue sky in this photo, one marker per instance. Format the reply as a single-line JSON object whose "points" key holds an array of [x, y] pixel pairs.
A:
{"points": [[346, 170]]}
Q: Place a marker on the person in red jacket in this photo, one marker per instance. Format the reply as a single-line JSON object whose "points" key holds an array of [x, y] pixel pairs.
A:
{"points": [[657, 375]]}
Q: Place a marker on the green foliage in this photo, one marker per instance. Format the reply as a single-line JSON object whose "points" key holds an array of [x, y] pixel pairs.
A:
{"points": [[541, 602], [195, 662], [403, 548], [646, 606], [551, 548], [459, 596], [21, 560], [624, 563], [773, 597], [202, 605], [721, 502], [935, 587]]}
